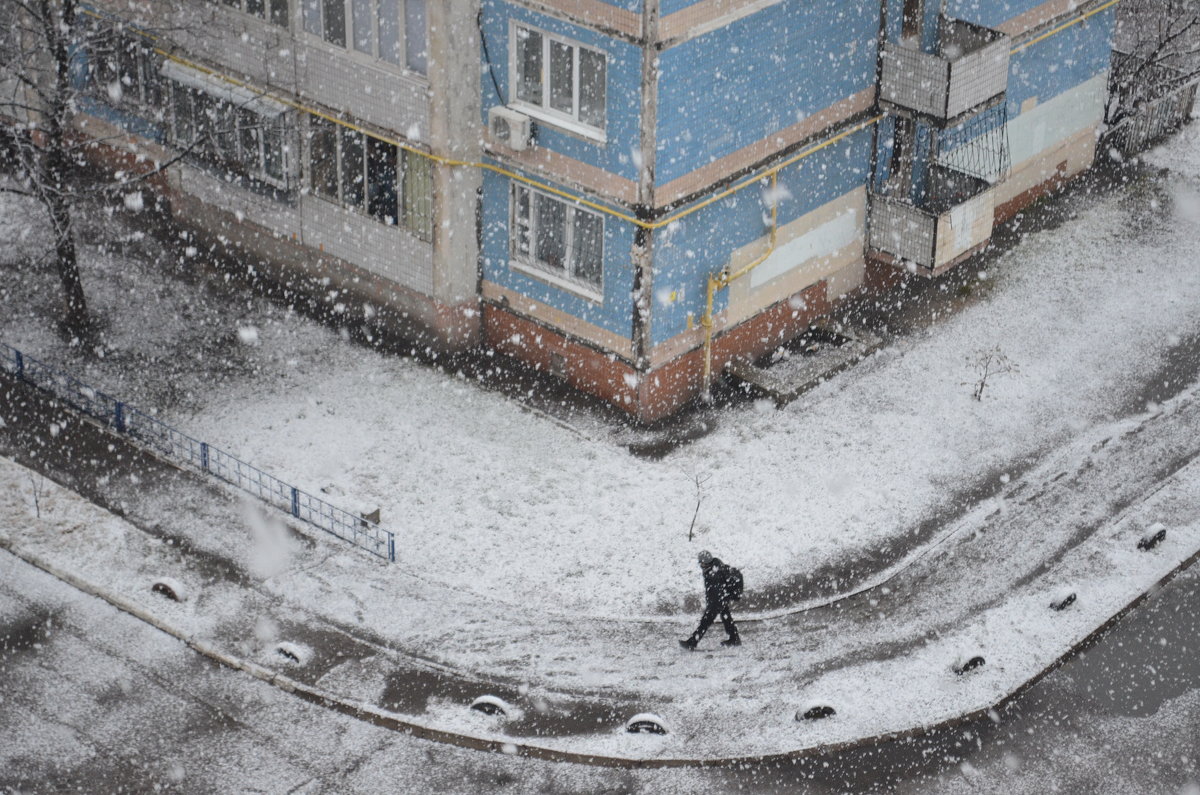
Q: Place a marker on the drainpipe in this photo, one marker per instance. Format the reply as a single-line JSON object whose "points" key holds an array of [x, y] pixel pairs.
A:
{"points": [[873, 174], [643, 247], [723, 279], [455, 132]]}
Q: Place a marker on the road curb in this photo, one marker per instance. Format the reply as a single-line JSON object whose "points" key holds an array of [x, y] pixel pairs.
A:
{"points": [[390, 720]]}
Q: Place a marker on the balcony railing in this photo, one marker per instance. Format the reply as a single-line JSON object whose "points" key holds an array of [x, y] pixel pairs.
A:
{"points": [[933, 234], [969, 70]]}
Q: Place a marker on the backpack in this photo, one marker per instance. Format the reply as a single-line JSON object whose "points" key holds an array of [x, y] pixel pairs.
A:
{"points": [[734, 584]]}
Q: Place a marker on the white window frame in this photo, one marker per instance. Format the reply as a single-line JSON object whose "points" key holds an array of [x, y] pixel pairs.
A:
{"points": [[528, 263], [417, 221], [266, 16], [275, 119], [544, 111], [307, 8], [143, 91]]}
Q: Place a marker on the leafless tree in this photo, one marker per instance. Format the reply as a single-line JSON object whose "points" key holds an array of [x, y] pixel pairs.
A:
{"points": [[987, 364], [1156, 50], [40, 35], [37, 485], [43, 77], [699, 479]]}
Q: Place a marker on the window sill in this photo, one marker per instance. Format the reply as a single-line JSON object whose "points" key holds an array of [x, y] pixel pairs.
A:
{"points": [[541, 116], [562, 283]]}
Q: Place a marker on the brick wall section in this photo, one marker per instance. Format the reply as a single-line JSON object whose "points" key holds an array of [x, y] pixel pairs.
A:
{"points": [[584, 367], [662, 391], [1022, 200]]}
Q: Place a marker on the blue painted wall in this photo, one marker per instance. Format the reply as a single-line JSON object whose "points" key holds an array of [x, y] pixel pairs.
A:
{"points": [[700, 244], [929, 29], [623, 70], [614, 314], [127, 120], [1061, 62], [990, 12], [726, 90], [671, 6], [1050, 67], [737, 85]]}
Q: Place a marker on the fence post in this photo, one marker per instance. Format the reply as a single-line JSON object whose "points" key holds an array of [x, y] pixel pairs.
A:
{"points": [[119, 416], [391, 548], [204, 456], [295, 502], [20, 365]]}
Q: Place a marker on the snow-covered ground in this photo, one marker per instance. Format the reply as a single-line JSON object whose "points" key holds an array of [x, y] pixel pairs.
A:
{"points": [[508, 521], [885, 661], [491, 499]]}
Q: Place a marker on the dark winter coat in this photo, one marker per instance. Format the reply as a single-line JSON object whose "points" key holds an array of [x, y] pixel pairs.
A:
{"points": [[716, 579]]}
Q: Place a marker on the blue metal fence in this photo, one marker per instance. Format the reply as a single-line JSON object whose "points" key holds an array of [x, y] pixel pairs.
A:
{"points": [[180, 448]]}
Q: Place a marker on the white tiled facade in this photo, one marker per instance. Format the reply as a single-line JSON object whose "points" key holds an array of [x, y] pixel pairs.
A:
{"points": [[314, 235]]}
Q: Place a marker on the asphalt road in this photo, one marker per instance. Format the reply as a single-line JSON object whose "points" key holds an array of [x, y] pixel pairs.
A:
{"points": [[94, 700]]}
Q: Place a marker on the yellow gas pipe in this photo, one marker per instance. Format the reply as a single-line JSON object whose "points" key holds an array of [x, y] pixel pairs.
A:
{"points": [[724, 278]]}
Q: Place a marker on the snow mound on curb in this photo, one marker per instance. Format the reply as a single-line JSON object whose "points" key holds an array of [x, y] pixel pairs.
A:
{"points": [[293, 653], [170, 588]]}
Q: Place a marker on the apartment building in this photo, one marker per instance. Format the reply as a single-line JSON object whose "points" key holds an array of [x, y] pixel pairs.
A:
{"points": [[748, 164], [627, 193], [316, 137]]}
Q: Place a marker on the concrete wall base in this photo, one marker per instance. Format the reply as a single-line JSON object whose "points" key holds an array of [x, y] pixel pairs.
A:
{"points": [[334, 290], [660, 392]]}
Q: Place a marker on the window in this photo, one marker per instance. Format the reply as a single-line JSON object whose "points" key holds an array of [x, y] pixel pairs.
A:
{"points": [[560, 77], [273, 11], [245, 134], [557, 237], [394, 31], [123, 71], [372, 176], [911, 24]]}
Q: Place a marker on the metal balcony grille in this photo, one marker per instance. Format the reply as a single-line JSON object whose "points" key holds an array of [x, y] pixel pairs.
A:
{"points": [[978, 146]]}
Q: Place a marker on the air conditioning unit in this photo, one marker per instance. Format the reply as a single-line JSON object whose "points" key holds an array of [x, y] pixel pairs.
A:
{"points": [[509, 128]]}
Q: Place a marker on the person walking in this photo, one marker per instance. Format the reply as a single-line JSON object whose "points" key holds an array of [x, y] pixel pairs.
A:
{"points": [[722, 587]]}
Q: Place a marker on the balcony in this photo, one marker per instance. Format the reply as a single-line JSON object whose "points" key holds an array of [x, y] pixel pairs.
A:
{"points": [[951, 221], [969, 71]]}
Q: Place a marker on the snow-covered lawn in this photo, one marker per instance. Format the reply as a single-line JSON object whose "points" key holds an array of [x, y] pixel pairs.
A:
{"points": [[492, 499]]}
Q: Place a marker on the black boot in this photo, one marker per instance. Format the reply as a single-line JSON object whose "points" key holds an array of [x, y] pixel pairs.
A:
{"points": [[689, 644], [732, 642]]}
